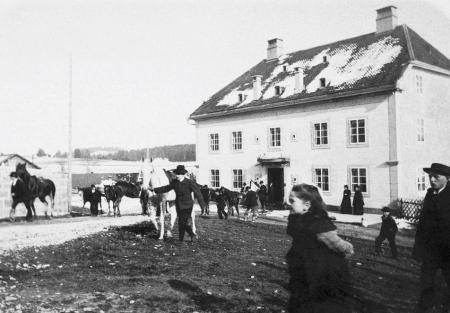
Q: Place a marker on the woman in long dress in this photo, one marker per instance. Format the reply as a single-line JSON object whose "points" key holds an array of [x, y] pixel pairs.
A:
{"points": [[346, 204], [358, 201]]}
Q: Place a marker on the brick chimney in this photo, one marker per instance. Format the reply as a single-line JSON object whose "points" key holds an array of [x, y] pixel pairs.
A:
{"points": [[256, 87], [274, 48], [299, 83], [386, 19]]}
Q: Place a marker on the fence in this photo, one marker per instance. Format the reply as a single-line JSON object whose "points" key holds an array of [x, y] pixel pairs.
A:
{"points": [[61, 199], [410, 209]]}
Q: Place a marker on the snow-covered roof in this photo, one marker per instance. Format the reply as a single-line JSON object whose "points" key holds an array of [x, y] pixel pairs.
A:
{"points": [[371, 62]]}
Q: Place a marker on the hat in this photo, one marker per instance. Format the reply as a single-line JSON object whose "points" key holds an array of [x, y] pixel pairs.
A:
{"points": [[180, 170], [437, 168], [13, 174], [386, 209]]}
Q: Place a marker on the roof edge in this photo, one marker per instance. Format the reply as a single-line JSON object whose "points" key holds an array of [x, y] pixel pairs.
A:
{"points": [[430, 67], [293, 102]]}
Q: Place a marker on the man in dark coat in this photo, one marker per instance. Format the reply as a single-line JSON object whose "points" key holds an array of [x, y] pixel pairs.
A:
{"points": [[262, 193], [95, 197], [432, 242], [184, 203], [18, 194]]}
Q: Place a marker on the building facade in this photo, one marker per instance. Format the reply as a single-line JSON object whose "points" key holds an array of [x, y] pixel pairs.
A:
{"points": [[371, 110]]}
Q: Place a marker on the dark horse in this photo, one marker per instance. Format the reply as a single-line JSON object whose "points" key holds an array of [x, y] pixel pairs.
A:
{"points": [[37, 187], [121, 189], [232, 198]]}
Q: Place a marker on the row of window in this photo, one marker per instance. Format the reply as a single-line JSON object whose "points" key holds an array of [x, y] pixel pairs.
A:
{"points": [[358, 176], [357, 135], [321, 178]]}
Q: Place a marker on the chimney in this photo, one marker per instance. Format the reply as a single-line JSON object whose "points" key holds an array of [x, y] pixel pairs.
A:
{"points": [[299, 83], [256, 87], [386, 19], [274, 48]]}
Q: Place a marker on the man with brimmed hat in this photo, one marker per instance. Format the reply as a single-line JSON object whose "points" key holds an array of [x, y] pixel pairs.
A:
{"points": [[432, 242], [184, 203]]}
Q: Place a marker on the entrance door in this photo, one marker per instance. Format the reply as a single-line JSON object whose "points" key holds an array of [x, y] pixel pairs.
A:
{"points": [[275, 178]]}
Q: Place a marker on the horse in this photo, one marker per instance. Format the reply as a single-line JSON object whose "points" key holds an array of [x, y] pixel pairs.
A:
{"points": [[37, 187], [232, 198], [165, 202], [110, 196], [124, 188]]}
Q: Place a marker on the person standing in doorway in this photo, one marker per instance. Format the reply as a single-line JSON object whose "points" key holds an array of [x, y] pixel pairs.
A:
{"points": [[184, 203], [358, 201], [262, 193], [432, 241], [346, 204]]}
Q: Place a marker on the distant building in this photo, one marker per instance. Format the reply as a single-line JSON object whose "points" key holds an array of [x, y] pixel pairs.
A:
{"points": [[11, 160], [371, 110]]}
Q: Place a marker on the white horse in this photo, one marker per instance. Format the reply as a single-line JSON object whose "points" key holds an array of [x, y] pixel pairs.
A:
{"points": [[164, 201]]}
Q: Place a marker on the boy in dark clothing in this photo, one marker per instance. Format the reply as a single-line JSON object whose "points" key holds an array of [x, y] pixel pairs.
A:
{"points": [[251, 202], [220, 201], [388, 230]]}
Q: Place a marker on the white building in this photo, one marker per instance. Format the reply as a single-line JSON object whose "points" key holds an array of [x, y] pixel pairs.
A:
{"points": [[371, 110]]}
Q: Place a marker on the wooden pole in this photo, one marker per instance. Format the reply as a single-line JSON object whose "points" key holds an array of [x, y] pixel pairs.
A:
{"points": [[69, 152]]}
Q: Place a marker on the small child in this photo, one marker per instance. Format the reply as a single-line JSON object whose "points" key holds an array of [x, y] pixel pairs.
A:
{"points": [[319, 275], [220, 201], [388, 230], [251, 202]]}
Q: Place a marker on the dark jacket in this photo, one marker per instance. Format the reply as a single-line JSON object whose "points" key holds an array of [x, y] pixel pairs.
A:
{"points": [[183, 192], [388, 225], [262, 193], [19, 191], [313, 267], [251, 199], [433, 231]]}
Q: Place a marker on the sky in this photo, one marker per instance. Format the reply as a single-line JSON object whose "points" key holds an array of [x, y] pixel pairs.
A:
{"points": [[140, 67]]}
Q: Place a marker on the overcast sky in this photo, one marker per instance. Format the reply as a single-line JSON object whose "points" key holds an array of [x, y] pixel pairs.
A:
{"points": [[141, 67]]}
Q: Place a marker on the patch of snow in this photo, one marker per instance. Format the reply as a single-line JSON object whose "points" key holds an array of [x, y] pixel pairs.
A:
{"points": [[345, 66]]}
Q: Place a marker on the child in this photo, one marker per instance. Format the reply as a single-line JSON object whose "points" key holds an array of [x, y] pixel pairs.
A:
{"points": [[388, 230], [220, 202], [319, 276], [251, 202]]}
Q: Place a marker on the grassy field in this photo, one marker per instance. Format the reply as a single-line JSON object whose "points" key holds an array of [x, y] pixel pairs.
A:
{"points": [[233, 267]]}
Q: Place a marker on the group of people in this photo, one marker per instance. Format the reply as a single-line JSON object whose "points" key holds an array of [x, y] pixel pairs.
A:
{"points": [[319, 275], [357, 206]]}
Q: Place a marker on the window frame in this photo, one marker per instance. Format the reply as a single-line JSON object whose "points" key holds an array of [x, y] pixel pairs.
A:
{"points": [[420, 128], [212, 176], [233, 149], [313, 135], [350, 144], [269, 138], [421, 175], [419, 83], [315, 180], [210, 143], [350, 181], [233, 176]]}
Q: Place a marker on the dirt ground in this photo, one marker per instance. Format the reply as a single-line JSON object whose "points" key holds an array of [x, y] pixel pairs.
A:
{"points": [[232, 267]]}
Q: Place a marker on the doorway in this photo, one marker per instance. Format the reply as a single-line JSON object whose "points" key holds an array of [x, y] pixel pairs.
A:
{"points": [[275, 180]]}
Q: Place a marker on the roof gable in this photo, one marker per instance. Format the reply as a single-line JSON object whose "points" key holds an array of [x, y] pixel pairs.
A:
{"points": [[353, 64]]}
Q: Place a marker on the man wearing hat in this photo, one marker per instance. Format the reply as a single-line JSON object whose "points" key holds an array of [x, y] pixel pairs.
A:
{"points": [[432, 242], [184, 203]]}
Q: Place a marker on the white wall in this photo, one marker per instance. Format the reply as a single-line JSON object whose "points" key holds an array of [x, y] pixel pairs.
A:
{"points": [[303, 158], [433, 105]]}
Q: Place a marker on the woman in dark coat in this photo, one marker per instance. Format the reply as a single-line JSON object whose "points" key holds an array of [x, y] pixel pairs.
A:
{"points": [[319, 276], [346, 204], [358, 201]]}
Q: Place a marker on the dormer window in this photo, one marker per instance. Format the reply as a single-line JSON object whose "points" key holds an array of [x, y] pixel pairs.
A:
{"points": [[325, 59], [285, 68], [323, 83], [279, 90], [241, 97]]}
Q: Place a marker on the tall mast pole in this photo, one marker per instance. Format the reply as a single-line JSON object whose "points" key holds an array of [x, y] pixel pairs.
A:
{"points": [[69, 152]]}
